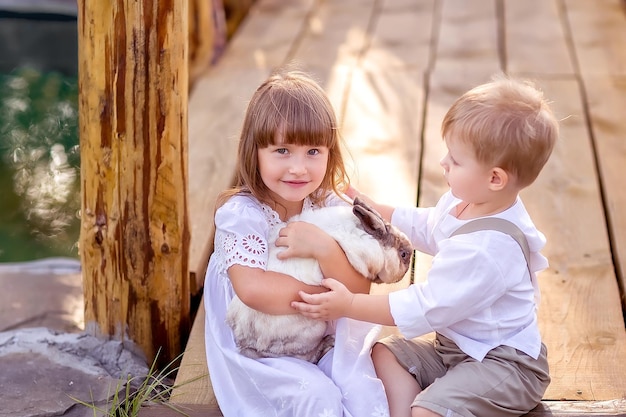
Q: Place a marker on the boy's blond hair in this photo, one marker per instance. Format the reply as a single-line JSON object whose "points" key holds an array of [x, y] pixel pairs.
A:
{"points": [[509, 124]]}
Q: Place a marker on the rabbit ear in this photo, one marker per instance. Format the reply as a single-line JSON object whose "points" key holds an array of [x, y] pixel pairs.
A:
{"points": [[372, 222], [358, 201]]}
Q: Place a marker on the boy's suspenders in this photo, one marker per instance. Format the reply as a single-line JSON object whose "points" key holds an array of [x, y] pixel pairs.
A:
{"points": [[500, 225]]}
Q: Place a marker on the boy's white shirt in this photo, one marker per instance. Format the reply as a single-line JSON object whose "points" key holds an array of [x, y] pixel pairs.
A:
{"points": [[478, 292]]}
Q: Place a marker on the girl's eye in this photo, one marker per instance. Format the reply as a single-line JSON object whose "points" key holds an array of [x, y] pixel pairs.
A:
{"points": [[282, 151], [313, 151]]}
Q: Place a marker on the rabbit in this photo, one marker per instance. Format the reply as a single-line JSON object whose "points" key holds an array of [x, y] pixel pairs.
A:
{"points": [[375, 248]]}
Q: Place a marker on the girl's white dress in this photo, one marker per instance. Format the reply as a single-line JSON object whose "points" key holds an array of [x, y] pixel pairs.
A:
{"points": [[343, 383]]}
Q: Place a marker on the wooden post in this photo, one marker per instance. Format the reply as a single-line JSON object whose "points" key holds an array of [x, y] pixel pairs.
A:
{"points": [[201, 37], [134, 239]]}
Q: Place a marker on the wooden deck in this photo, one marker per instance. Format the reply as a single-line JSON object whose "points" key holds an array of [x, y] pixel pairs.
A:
{"points": [[392, 68]]}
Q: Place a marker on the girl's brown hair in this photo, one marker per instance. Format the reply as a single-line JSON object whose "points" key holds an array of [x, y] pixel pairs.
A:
{"points": [[509, 124], [292, 106]]}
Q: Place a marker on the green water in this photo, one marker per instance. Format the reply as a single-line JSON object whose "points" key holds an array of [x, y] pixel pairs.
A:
{"points": [[39, 165]]}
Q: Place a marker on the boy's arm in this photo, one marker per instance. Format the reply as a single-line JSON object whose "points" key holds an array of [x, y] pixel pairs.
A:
{"points": [[340, 302], [384, 210]]}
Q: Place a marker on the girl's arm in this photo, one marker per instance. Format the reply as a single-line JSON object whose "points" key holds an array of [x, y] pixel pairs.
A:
{"points": [[305, 240], [267, 291], [340, 302]]}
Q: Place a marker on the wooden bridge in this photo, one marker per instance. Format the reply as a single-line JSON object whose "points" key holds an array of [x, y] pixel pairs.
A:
{"points": [[391, 69]]}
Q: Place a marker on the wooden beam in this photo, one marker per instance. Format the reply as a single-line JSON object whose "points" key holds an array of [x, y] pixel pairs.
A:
{"points": [[178, 410], [203, 37], [134, 239], [545, 409], [579, 409]]}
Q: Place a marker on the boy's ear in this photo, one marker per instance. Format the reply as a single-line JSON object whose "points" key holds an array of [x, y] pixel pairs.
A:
{"points": [[499, 179]]}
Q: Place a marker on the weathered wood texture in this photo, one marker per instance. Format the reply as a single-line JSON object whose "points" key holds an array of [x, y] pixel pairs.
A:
{"points": [[193, 384], [134, 238], [546, 408], [237, 11], [393, 68], [202, 37], [599, 40]]}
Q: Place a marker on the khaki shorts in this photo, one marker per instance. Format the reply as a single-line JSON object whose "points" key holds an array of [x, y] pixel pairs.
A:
{"points": [[506, 383]]}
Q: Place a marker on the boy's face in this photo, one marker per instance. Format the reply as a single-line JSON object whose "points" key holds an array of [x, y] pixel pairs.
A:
{"points": [[292, 172], [468, 179]]}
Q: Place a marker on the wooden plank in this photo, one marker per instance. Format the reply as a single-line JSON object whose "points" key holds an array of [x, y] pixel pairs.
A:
{"points": [[579, 408], [193, 385], [330, 47], [401, 37], [202, 37], [216, 109], [535, 39], [599, 42], [580, 313], [606, 98], [178, 410], [270, 32], [599, 38], [598, 31], [545, 409], [467, 40], [384, 108]]}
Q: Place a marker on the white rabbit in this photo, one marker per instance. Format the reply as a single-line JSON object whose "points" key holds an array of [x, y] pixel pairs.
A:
{"points": [[375, 248]]}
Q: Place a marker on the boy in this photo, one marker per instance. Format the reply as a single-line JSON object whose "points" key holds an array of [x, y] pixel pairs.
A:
{"points": [[487, 357]]}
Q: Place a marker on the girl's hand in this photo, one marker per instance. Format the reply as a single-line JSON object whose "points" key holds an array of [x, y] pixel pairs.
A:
{"points": [[303, 240], [326, 306]]}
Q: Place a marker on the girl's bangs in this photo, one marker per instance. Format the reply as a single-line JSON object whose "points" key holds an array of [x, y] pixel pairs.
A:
{"points": [[300, 121], [306, 131]]}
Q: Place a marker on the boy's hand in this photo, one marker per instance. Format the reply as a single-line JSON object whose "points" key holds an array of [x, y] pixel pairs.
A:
{"points": [[352, 192], [303, 240], [325, 306]]}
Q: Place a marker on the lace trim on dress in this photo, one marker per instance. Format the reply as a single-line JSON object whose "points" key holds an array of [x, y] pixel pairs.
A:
{"points": [[308, 205], [244, 252], [270, 215], [250, 249]]}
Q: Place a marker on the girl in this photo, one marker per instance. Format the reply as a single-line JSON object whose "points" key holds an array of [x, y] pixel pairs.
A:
{"points": [[289, 160]]}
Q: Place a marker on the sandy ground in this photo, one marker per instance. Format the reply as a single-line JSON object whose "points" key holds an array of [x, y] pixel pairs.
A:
{"points": [[46, 293]]}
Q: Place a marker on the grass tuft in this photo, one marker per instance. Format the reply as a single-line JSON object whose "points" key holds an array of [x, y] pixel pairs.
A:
{"points": [[154, 388]]}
